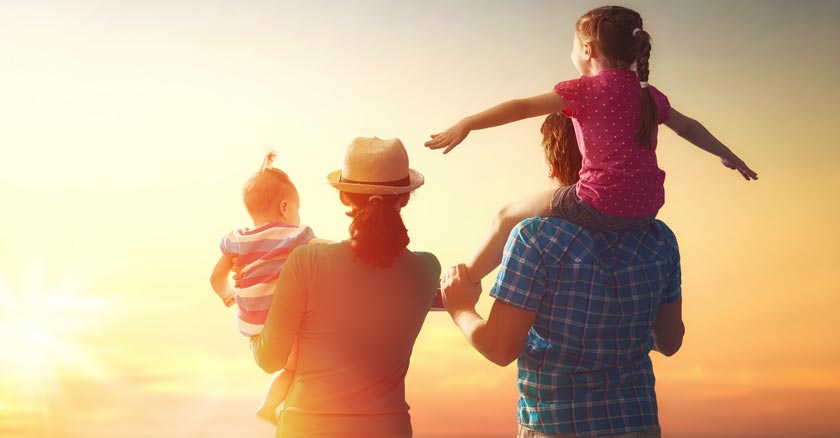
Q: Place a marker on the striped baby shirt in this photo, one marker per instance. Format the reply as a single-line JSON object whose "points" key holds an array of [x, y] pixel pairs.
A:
{"points": [[261, 253]]}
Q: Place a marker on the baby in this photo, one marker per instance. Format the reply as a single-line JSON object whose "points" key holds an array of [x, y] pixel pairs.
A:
{"points": [[258, 255]]}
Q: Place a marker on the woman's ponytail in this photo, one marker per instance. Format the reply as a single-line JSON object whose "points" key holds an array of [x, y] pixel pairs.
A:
{"points": [[377, 232], [561, 148]]}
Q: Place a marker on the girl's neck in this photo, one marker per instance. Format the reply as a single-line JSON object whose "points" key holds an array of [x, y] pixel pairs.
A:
{"points": [[596, 66]]}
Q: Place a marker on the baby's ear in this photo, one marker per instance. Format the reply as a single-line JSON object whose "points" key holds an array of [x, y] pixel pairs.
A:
{"points": [[284, 207]]}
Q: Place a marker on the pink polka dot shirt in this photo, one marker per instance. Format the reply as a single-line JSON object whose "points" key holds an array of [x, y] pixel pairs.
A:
{"points": [[619, 176]]}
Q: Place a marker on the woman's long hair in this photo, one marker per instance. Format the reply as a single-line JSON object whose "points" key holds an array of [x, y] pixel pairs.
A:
{"points": [[561, 148], [377, 232]]}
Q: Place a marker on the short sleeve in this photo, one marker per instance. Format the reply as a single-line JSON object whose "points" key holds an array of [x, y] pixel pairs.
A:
{"points": [[573, 93], [306, 234], [433, 266], [521, 280], [673, 281], [663, 106], [229, 244]]}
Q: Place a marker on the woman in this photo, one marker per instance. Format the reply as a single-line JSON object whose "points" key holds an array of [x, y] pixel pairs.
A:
{"points": [[357, 307]]}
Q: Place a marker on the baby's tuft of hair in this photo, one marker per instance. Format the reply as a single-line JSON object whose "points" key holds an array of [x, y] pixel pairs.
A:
{"points": [[267, 188]]}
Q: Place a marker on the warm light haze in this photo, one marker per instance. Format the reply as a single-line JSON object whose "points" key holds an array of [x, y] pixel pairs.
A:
{"points": [[127, 130]]}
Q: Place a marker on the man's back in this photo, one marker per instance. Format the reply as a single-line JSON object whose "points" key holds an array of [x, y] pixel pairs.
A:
{"points": [[585, 367]]}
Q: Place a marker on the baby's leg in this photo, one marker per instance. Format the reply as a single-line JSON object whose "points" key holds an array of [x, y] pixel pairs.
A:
{"points": [[279, 388], [489, 254], [276, 395]]}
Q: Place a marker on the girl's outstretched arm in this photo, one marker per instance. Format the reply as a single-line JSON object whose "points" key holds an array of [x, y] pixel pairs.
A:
{"points": [[489, 254], [699, 136], [500, 114]]}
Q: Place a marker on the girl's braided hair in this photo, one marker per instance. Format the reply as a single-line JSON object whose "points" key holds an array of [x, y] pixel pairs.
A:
{"points": [[611, 30]]}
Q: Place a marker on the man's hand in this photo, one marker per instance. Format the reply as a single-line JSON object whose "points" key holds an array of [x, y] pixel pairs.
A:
{"points": [[459, 293]]}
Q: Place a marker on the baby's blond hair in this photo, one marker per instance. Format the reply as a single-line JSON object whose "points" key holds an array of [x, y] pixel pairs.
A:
{"points": [[267, 187]]}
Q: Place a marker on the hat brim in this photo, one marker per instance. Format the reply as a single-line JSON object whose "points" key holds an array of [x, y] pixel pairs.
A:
{"points": [[416, 180]]}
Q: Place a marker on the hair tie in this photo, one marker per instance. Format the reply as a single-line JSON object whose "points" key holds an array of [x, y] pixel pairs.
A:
{"points": [[372, 197], [643, 84], [636, 30]]}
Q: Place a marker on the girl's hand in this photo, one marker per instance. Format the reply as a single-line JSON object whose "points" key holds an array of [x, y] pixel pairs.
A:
{"points": [[459, 293], [738, 164], [229, 300], [448, 139]]}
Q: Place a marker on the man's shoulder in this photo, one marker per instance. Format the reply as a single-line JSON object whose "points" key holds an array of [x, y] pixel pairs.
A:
{"points": [[656, 229], [551, 226], [561, 237], [551, 235]]}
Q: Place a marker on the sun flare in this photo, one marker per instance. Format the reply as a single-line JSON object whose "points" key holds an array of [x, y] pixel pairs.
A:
{"points": [[39, 339]]}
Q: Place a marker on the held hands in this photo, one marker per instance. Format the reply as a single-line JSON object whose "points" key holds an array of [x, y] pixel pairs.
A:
{"points": [[733, 162], [459, 293], [450, 138]]}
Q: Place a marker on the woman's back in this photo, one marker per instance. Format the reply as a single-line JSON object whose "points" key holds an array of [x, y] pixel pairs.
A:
{"points": [[358, 327]]}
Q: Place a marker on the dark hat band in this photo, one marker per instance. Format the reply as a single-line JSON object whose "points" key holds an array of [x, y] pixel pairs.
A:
{"points": [[397, 183]]}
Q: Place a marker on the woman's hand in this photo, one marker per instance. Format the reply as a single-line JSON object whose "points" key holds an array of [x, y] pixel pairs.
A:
{"points": [[459, 293], [450, 138]]}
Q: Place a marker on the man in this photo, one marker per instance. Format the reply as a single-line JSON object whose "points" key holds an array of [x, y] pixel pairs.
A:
{"points": [[581, 310]]}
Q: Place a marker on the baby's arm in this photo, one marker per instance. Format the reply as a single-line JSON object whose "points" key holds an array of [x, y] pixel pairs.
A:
{"points": [[489, 254], [500, 114], [219, 280], [699, 136]]}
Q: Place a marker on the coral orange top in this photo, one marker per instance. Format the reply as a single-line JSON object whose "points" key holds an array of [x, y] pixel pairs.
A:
{"points": [[357, 324]]}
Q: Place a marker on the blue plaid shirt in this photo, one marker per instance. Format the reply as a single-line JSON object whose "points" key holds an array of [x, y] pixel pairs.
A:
{"points": [[585, 368]]}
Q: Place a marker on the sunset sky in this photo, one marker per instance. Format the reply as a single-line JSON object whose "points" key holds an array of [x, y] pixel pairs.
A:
{"points": [[127, 130]]}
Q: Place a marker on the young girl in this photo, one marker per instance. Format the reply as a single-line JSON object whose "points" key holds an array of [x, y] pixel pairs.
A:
{"points": [[257, 255], [615, 114]]}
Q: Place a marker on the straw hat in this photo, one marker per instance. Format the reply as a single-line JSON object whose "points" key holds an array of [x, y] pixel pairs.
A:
{"points": [[377, 167]]}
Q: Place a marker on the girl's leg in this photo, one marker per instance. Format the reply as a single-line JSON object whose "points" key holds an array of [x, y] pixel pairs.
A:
{"points": [[489, 253], [565, 204]]}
